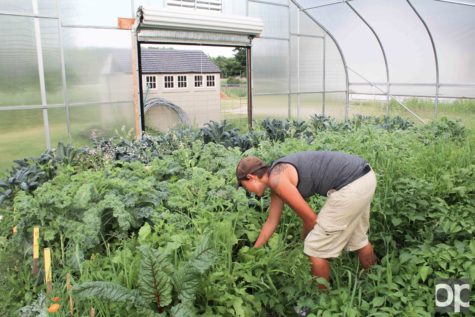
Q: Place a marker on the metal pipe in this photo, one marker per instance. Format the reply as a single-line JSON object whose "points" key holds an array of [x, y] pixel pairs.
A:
{"points": [[307, 35], [249, 88], [457, 85], [63, 75], [29, 15], [289, 101], [339, 49], [414, 84], [435, 56], [324, 75], [458, 2], [422, 96], [297, 93], [382, 50], [83, 104], [274, 38], [41, 74], [404, 106], [270, 3], [394, 84], [326, 5], [249, 85], [29, 107], [298, 66], [61, 105], [90, 27]]}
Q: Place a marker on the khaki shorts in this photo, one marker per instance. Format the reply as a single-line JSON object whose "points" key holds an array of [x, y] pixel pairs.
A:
{"points": [[343, 222]]}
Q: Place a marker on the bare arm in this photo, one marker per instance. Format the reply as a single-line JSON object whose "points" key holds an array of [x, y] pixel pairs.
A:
{"points": [[275, 212], [281, 183]]}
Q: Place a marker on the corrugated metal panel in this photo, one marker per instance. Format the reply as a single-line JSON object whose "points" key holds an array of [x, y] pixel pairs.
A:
{"points": [[199, 21], [170, 36]]}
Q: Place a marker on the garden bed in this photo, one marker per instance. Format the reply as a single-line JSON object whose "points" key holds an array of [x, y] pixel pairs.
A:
{"points": [[157, 228]]}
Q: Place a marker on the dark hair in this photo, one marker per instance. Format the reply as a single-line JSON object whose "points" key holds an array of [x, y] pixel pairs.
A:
{"points": [[260, 172]]}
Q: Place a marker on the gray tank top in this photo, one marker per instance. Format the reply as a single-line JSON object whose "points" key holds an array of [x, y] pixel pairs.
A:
{"points": [[320, 171]]}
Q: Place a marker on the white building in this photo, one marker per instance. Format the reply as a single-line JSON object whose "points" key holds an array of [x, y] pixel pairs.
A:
{"points": [[188, 79]]}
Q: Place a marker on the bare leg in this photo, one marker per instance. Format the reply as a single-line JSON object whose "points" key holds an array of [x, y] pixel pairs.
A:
{"points": [[367, 256], [320, 268]]}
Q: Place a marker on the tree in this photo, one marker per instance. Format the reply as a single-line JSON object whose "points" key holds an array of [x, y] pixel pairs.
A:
{"points": [[232, 66], [240, 56]]}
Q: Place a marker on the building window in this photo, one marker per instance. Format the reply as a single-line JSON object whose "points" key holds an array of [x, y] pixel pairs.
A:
{"points": [[209, 80], [151, 82], [198, 81], [181, 81], [168, 81]]}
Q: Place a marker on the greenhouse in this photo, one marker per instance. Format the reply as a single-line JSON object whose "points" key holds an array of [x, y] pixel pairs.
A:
{"points": [[125, 124]]}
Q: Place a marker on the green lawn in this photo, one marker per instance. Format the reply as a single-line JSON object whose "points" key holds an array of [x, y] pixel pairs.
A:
{"points": [[277, 106], [22, 133], [463, 110]]}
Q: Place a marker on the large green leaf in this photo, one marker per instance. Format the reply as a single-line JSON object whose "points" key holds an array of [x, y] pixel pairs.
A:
{"points": [[186, 281], [183, 310], [107, 291], [424, 271], [203, 256], [83, 196], [155, 282], [378, 301], [187, 278]]}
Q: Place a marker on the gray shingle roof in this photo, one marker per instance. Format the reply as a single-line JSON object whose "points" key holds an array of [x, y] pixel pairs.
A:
{"points": [[175, 61]]}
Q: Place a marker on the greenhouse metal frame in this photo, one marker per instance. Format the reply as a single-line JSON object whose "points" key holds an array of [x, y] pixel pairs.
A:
{"points": [[317, 52]]}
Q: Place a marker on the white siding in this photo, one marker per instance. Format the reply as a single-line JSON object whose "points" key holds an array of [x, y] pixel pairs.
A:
{"points": [[201, 104]]}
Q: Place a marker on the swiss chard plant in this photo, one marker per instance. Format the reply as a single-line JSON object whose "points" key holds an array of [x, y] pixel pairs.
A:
{"points": [[162, 288]]}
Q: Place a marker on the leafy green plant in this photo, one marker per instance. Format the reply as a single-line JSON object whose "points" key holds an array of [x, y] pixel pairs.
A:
{"points": [[158, 282], [276, 129], [36, 308], [24, 177], [298, 129], [323, 123], [163, 191], [29, 174], [218, 132], [68, 154]]}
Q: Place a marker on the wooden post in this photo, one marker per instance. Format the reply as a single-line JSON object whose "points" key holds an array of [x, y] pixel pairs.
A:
{"points": [[69, 288], [14, 230], [92, 312], [249, 88], [36, 249], [125, 23], [48, 273]]}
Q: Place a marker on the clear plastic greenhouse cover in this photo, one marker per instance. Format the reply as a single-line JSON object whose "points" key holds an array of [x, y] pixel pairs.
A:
{"points": [[411, 58], [66, 67]]}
